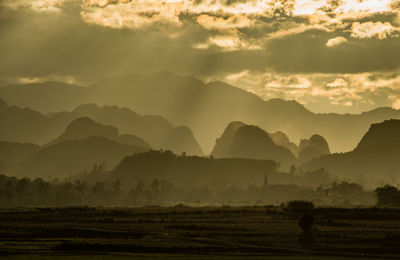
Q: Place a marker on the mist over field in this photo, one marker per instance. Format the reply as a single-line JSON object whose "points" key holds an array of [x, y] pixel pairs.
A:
{"points": [[200, 128]]}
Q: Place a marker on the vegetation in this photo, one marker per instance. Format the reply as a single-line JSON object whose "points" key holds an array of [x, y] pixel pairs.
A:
{"points": [[300, 205], [184, 232], [306, 222], [388, 196]]}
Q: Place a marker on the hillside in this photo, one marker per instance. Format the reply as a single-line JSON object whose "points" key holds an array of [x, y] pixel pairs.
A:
{"points": [[374, 161], [205, 108], [74, 156], [191, 171], [314, 147], [282, 139], [14, 153], [23, 125], [124, 119], [247, 141], [26, 125], [181, 140], [85, 127]]}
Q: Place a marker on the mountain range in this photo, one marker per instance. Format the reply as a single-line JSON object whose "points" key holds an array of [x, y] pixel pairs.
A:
{"points": [[169, 107], [374, 160], [206, 108], [24, 125]]}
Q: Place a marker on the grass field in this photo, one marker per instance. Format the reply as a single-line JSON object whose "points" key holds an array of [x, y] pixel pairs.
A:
{"points": [[197, 233]]}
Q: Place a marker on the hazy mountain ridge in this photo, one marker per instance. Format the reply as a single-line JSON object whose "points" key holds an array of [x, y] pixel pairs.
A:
{"points": [[191, 171], [375, 159], [208, 108], [181, 140], [84, 127], [282, 139], [23, 125], [314, 147], [248, 141], [71, 157], [14, 153], [124, 119]]}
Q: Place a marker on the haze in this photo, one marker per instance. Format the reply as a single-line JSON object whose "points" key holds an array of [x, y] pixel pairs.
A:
{"points": [[331, 56], [200, 129]]}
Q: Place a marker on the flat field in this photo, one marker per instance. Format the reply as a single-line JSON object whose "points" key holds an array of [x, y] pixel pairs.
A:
{"points": [[197, 233]]}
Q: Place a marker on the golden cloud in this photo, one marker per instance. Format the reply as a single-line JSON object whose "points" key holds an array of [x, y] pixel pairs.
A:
{"points": [[219, 23], [335, 41], [372, 30]]}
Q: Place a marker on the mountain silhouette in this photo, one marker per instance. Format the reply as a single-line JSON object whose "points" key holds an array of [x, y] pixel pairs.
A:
{"points": [[191, 171], [14, 153], [26, 125], [23, 125], [205, 108], [181, 140], [124, 119], [159, 125], [69, 157], [223, 144], [248, 141], [314, 147], [386, 133], [373, 161], [85, 127], [282, 139]]}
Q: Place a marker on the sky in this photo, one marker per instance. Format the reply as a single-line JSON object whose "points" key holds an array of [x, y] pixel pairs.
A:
{"points": [[331, 56]]}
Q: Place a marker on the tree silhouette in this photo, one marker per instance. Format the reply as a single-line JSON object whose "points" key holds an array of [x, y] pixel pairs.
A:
{"points": [[306, 222]]}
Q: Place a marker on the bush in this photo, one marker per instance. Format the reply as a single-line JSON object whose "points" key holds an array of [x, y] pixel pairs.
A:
{"points": [[306, 222]]}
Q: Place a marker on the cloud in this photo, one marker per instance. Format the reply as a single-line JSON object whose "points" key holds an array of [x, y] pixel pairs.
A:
{"points": [[335, 41], [220, 23], [326, 54], [50, 6], [339, 82], [296, 29], [289, 82], [134, 15], [396, 104], [324, 92], [372, 30], [229, 41]]}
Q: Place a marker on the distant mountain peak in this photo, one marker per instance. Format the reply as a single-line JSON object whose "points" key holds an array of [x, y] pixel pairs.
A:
{"points": [[223, 143], [282, 139], [384, 133], [89, 106], [180, 140], [250, 141], [85, 127], [379, 111], [314, 147], [291, 105]]}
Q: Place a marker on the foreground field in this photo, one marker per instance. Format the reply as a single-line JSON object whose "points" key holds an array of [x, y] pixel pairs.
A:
{"points": [[198, 233]]}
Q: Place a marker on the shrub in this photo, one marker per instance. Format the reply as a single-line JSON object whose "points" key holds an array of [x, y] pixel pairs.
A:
{"points": [[306, 222]]}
